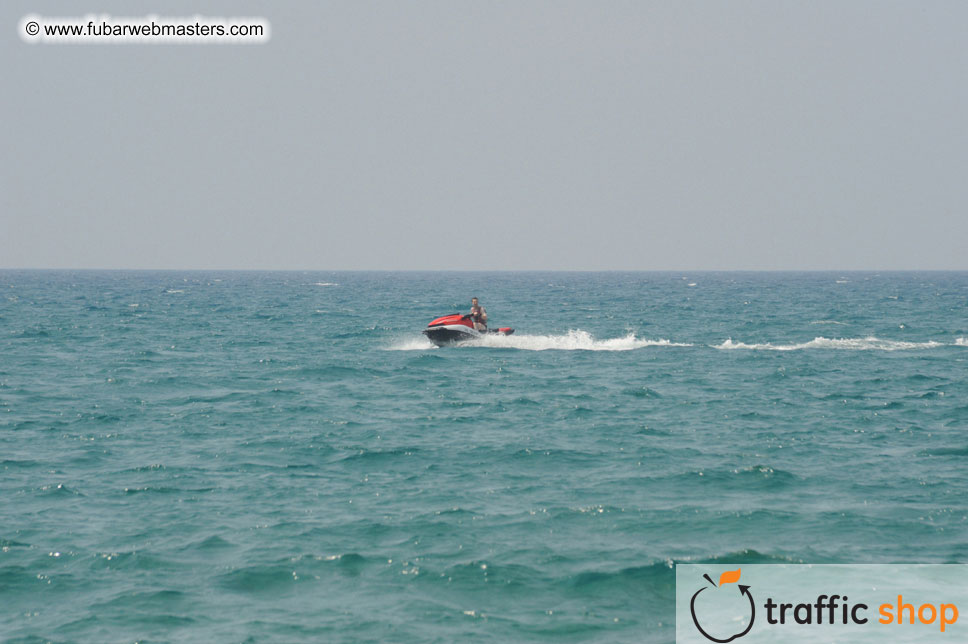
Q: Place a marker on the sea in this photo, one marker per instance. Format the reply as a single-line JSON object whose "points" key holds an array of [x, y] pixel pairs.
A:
{"points": [[282, 456]]}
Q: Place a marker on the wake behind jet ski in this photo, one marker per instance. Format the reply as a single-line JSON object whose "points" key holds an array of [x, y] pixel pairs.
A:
{"points": [[456, 328]]}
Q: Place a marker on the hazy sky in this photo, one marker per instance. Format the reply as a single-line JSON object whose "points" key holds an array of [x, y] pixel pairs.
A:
{"points": [[495, 135]]}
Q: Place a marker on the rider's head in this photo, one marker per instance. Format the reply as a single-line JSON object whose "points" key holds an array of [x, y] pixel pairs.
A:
{"points": [[473, 301]]}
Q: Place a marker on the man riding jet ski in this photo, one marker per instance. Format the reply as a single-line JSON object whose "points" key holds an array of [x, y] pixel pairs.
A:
{"points": [[478, 315], [452, 329]]}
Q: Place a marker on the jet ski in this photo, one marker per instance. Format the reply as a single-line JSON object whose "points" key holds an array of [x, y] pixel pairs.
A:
{"points": [[453, 329]]}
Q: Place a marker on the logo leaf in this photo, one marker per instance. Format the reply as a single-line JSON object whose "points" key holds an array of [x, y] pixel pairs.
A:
{"points": [[729, 577]]}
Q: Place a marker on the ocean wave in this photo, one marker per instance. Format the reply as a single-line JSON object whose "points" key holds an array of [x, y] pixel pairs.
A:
{"points": [[961, 342], [575, 340], [946, 451], [856, 344], [259, 578], [747, 556]]}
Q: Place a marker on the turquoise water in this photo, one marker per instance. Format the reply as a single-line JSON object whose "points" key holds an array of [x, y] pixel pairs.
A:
{"points": [[281, 457]]}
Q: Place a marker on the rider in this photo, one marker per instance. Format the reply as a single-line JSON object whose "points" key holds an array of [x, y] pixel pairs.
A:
{"points": [[478, 315]]}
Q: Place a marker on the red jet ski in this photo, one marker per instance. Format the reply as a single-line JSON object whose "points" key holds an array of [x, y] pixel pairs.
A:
{"points": [[452, 329]]}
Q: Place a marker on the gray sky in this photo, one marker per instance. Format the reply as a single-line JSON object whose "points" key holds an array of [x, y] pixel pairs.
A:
{"points": [[495, 135]]}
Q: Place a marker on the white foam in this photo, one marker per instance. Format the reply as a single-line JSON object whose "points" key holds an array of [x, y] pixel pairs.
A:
{"points": [[829, 322], [413, 344], [578, 340], [326, 284], [575, 340], [856, 344]]}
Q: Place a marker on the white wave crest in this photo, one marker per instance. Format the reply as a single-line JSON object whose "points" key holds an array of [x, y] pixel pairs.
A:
{"points": [[961, 342], [413, 344], [325, 284], [576, 340], [856, 344]]}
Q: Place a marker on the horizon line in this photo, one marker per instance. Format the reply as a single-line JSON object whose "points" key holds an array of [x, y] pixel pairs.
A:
{"points": [[496, 270]]}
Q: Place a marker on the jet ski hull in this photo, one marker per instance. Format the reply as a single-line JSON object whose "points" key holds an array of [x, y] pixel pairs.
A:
{"points": [[454, 329], [451, 334]]}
